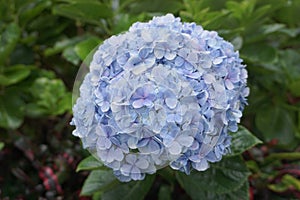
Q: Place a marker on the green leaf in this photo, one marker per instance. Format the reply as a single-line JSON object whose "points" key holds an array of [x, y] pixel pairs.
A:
{"points": [[8, 41], [32, 10], [14, 74], [221, 178], [135, 190], [1, 145], [165, 193], [85, 47], [272, 28], [97, 180], [275, 122], [48, 97], [70, 55], [242, 140], [241, 193], [91, 12], [63, 44], [165, 6], [89, 163], [259, 52], [294, 87], [11, 109]]}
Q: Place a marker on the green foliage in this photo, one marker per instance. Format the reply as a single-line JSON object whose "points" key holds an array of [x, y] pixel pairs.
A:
{"points": [[89, 163], [242, 141], [227, 177], [43, 42]]}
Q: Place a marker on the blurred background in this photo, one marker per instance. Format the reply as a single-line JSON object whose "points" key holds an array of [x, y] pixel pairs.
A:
{"points": [[44, 42]]}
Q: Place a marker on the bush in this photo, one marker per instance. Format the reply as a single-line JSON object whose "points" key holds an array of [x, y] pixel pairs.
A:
{"points": [[43, 43]]}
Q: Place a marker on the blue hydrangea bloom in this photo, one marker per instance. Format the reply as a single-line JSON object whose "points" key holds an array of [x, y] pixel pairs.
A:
{"points": [[163, 93]]}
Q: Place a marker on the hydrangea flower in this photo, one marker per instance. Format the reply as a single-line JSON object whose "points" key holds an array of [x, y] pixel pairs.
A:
{"points": [[163, 93]]}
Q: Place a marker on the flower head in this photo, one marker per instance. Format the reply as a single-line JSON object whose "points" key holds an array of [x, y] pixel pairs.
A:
{"points": [[163, 93]]}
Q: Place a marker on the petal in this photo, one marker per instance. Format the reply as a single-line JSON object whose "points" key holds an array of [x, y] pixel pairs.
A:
{"points": [[135, 173], [217, 61], [105, 106], [130, 158], [126, 169], [138, 69], [202, 165], [138, 103], [170, 55], [142, 163], [229, 85], [171, 102], [185, 140], [175, 148], [179, 61], [118, 154], [144, 52], [148, 103], [159, 53], [208, 78]]}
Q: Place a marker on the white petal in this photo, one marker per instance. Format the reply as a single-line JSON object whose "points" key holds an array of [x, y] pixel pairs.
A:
{"points": [[175, 148], [171, 102], [185, 140]]}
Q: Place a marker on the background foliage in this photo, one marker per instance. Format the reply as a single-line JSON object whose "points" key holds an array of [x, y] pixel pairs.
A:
{"points": [[42, 44]]}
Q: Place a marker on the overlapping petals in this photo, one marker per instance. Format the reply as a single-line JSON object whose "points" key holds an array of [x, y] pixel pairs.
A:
{"points": [[163, 93]]}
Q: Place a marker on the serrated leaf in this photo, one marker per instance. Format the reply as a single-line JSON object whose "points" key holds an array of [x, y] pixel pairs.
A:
{"points": [[135, 190], [242, 140], [221, 178], [97, 180], [89, 163]]}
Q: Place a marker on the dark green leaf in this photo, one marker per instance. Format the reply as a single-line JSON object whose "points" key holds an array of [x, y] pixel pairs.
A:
{"points": [[8, 41], [89, 163], [275, 122], [97, 180], [32, 10], [260, 53], [242, 141], [224, 177], [295, 88], [91, 12], [62, 45], [135, 190], [165, 6], [165, 193], [14, 74], [11, 109]]}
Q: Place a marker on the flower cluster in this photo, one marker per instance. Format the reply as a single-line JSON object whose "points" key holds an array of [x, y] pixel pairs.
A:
{"points": [[163, 93]]}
